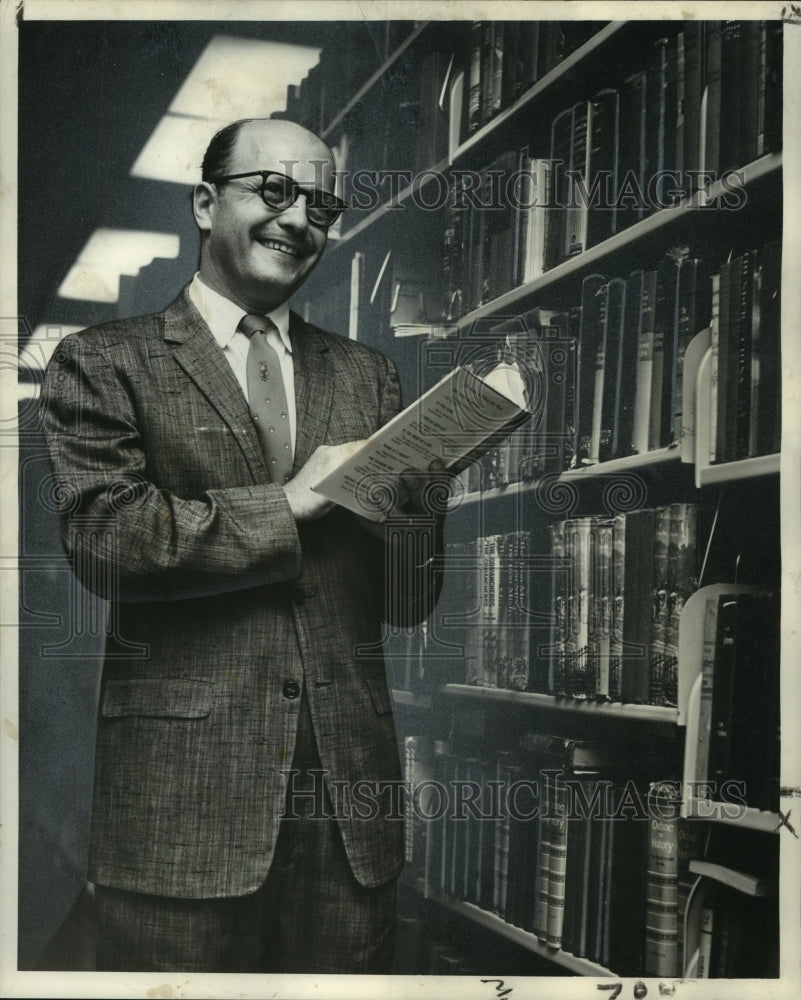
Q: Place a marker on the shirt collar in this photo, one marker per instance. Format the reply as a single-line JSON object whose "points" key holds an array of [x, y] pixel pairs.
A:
{"points": [[223, 316]]}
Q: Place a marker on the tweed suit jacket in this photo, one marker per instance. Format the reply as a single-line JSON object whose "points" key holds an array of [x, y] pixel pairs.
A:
{"points": [[218, 599]]}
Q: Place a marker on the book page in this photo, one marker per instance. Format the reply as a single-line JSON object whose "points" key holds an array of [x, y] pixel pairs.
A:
{"points": [[456, 418]]}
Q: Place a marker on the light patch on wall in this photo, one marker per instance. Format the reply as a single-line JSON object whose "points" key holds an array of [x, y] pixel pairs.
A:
{"points": [[110, 253], [38, 350], [233, 78]]}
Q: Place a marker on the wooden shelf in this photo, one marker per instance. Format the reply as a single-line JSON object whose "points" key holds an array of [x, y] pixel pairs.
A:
{"points": [[551, 79], [645, 229], [410, 699], [631, 463], [549, 702], [731, 814], [729, 472], [374, 79], [527, 940]]}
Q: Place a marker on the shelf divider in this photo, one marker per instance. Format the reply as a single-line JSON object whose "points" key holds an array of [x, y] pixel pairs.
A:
{"points": [[527, 940], [549, 702]]}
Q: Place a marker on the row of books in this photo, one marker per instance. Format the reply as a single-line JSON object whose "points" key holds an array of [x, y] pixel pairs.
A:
{"points": [[563, 842], [739, 716], [613, 159], [613, 366], [618, 588], [707, 102], [739, 936], [745, 394], [505, 58], [735, 889]]}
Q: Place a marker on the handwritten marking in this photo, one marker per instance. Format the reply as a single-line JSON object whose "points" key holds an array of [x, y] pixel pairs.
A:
{"points": [[784, 820], [614, 987], [499, 987]]}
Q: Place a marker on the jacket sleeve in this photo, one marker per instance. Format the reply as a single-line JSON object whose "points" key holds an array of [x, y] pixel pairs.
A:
{"points": [[128, 539]]}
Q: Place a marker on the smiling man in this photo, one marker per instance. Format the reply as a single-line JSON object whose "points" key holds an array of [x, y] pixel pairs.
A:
{"points": [[244, 694]]}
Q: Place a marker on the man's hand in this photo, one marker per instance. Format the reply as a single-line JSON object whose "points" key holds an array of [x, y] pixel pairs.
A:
{"points": [[305, 504]]}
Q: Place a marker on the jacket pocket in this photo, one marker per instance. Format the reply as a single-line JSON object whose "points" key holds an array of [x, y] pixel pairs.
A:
{"points": [[377, 686], [166, 699]]}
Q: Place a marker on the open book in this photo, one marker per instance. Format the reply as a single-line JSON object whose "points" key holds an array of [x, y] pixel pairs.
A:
{"points": [[451, 424]]}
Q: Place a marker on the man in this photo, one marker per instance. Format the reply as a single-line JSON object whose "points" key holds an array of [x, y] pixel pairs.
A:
{"points": [[246, 609]]}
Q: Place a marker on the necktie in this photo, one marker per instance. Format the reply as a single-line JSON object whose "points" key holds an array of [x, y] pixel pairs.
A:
{"points": [[267, 398]]}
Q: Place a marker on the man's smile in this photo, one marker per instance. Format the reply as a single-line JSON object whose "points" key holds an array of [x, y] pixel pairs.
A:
{"points": [[273, 244]]}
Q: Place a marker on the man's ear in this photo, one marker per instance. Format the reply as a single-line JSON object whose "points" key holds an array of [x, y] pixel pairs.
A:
{"points": [[204, 198]]}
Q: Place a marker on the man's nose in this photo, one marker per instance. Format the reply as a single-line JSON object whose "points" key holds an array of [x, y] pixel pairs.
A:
{"points": [[295, 216]]}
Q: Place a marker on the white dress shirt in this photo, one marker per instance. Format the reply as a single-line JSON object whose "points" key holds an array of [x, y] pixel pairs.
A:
{"points": [[223, 317]]}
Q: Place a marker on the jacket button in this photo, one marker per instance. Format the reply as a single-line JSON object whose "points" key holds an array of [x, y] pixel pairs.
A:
{"points": [[291, 689]]}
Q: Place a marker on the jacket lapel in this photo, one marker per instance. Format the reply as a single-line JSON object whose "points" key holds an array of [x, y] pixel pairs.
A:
{"points": [[314, 387], [201, 357]]}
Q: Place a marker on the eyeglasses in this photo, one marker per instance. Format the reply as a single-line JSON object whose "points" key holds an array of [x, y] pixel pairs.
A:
{"points": [[280, 192]]}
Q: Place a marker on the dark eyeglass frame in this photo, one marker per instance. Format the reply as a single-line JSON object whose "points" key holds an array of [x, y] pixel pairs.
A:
{"points": [[322, 208]]}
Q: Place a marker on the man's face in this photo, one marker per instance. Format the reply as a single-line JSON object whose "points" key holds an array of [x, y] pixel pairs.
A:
{"points": [[253, 254]]}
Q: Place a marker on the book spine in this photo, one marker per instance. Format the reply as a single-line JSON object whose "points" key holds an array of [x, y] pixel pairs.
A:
{"points": [[693, 87], [614, 318], [626, 390], [724, 422], [559, 590], [682, 582], [602, 600], [474, 79], [594, 449], [706, 933], [645, 363], [714, 376], [616, 642], [711, 150], [638, 612], [661, 912], [577, 206], [557, 866], [694, 314], [576, 652], [729, 607], [660, 604], [744, 349], [768, 409], [591, 332], [701, 774]]}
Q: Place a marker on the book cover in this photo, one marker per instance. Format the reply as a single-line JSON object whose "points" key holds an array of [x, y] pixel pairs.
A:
{"points": [[557, 681], [645, 363], [560, 154], [661, 593], [638, 613], [577, 544], [590, 340], [742, 372], [662, 952], [711, 156], [694, 50], [682, 581], [626, 381], [453, 423], [694, 308], [609, 370], [666, 321], [601, 602], [633, 124], [557, 863], [604, 157]]}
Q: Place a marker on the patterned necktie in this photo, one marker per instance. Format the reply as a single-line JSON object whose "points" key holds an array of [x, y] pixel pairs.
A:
{"points": [[267, 398]]}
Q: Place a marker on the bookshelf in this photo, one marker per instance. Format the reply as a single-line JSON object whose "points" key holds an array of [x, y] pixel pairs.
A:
{"points": [[669, 496]]}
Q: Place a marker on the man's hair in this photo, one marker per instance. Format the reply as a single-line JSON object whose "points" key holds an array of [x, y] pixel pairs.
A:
{"points": [[218, 153]]}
